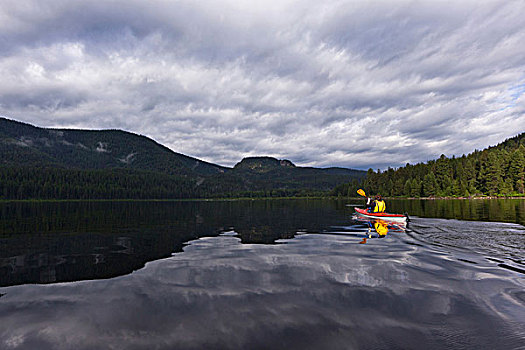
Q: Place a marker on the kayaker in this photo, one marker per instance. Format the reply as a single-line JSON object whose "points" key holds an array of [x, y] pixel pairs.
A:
{"points": [[376, 205]]}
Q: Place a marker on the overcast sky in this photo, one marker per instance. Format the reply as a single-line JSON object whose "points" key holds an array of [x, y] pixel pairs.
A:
{"points": [[321, 83]]}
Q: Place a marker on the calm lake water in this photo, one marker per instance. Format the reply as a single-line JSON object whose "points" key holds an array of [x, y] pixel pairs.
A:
{"points": [[276, 274]]}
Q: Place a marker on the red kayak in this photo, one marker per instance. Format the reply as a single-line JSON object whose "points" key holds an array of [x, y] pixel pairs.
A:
{"points": [[384, 216]]}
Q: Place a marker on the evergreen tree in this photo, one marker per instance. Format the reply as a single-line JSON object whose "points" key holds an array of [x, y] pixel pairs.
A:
{"points": [[407, 187], [493, 174], [483, 172], [398, 187], [429, 185], [415, 188], [390, 186], [516, 173], [469, 172], [456, 189], [443, 174]]}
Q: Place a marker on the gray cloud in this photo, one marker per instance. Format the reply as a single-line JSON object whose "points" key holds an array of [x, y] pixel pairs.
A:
{"points": [[349, 84]]}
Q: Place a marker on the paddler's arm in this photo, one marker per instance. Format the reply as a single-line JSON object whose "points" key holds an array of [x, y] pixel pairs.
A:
{"points": [[369, 204]]}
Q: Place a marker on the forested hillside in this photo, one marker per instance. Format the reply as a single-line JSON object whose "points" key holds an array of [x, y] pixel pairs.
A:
{"points": [[23, 144], [497, 170], [39, 163]]}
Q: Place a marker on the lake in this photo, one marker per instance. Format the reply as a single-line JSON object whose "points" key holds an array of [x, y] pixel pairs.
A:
{"points": [[263, 274]]}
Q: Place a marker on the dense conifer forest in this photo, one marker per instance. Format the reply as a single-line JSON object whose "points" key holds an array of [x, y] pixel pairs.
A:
{"points": [[59, 183], [497, 170], [39, 163]]}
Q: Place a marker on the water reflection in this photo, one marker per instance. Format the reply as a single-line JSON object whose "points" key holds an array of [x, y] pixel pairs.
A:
{"points": [[52, 242], [254, 275], [501, 210], [380, 227], [68, 241], [317, 290]]}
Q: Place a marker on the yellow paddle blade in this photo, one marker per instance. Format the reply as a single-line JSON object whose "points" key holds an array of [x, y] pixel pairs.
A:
{"points": [[361, 192]]}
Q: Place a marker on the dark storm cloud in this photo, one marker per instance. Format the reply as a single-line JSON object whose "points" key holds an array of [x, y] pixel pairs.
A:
{"points": [[332, 83]]}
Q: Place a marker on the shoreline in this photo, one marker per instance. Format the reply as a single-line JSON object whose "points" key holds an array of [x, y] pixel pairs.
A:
{"points": [[250, 199]]}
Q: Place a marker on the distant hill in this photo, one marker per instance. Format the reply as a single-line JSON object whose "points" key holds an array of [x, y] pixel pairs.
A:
{"points": [[270, 175], [68, 163], [263, 164]]}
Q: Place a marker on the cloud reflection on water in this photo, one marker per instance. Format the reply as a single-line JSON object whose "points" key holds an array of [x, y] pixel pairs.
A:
{"points": [[314, 291]]}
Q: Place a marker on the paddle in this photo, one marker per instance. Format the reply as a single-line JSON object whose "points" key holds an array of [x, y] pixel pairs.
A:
{"points": [[361, 192]]}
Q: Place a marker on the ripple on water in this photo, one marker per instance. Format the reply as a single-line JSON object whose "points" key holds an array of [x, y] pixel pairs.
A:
{"points": [[438, 285]]}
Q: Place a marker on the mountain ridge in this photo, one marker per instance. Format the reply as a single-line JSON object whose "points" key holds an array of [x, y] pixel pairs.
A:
{"points": [[94, 149], [122, 159], [59, 135]]}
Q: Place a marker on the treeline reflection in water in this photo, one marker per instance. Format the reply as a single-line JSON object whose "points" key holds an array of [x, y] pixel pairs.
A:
{"points": [[47, 242], [501, 210], [276, 274]]}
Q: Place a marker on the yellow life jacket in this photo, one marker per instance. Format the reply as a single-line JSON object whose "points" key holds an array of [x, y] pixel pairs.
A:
{"points": [[380, 207]]}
